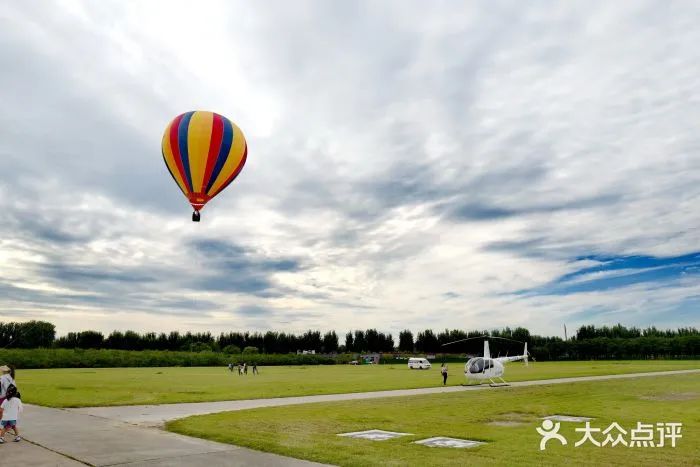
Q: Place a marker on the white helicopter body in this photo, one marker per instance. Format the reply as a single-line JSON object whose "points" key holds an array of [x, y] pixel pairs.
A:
{"points": [[490, 369]]}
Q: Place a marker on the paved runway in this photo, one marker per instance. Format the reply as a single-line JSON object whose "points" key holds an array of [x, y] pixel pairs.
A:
{"points": [[59, 437]]}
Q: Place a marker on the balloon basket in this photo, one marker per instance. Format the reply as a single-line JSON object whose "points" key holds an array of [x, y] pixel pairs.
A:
{"points": [[195, 216]]}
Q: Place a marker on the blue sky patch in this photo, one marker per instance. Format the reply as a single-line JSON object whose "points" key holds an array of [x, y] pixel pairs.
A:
{"points": [[613, 272]]}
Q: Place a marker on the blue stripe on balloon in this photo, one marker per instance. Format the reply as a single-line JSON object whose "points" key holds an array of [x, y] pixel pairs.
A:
{"points": [[226, 143], [171, 173], [182, 143], [239, 168]]}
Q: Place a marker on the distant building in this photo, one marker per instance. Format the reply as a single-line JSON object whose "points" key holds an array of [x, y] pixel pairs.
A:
{"points": [[372, 358]]}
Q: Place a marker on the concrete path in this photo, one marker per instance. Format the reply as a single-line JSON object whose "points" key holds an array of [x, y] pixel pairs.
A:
{"points": [[26, 453], [61, 437], [157, 415]]}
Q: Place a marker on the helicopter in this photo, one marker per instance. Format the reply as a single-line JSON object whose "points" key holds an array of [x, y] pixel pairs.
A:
{"points": [[488, 368]]}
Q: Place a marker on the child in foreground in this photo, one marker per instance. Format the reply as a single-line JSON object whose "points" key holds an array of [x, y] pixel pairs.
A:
{"points": [[10, 409]]}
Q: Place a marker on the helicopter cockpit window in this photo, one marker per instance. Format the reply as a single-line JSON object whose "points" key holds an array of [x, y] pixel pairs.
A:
{"points": [[477, 366]]}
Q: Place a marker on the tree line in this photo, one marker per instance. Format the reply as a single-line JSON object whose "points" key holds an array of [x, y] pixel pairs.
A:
{"points": [[232, 342], [589, 342]]}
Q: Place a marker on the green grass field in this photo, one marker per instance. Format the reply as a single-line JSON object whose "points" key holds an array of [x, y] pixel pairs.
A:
{"points": [[505, 418], [130, 386]]}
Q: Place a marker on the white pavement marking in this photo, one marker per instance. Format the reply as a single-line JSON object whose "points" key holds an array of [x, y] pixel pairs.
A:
{"points": [[567, 418], [157, 415], [445, 442], [374, 435]]}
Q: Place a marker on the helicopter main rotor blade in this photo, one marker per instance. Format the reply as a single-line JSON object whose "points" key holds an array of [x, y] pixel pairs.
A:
{"points": [[482, 337], [462, 340], [506, 339]]}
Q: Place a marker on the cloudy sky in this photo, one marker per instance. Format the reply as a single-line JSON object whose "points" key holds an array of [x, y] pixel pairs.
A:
{"points": [[463, 166]]}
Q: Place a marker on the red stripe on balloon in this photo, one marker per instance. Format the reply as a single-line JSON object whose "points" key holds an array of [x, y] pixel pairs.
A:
{"points": [[217, 131], [235, 173], [175, 147]]}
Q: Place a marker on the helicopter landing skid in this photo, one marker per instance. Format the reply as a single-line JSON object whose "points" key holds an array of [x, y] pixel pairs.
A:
{"points": [[495, 384], [492, 383]]}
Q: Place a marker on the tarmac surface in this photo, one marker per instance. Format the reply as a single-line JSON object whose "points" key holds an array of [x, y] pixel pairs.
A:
{"points": [[59, 437], [26, 453], [129, 435]]}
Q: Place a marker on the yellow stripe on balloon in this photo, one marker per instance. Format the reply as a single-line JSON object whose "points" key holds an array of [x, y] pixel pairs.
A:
{"points": [[170, 159], [234, 157], [198, 138]]}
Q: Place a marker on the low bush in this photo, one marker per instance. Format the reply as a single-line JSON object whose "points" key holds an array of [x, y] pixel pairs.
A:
{"points": [[104, 358]]}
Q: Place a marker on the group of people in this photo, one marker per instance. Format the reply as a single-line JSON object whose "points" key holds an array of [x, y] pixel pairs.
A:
{"points": [[243, 368], [10, 403]]}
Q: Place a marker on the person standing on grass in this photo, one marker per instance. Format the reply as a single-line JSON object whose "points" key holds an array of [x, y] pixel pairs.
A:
{"points": [[255, 368], [6, 380], [245, 368], [443, 370], [10, 409]]}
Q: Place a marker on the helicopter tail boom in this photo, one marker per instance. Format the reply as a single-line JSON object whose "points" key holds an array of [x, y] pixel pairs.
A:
{"points": [[516, 358]]}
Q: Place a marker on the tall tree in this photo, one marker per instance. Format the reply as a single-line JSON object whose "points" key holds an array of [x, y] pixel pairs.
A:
{"points": [[406, 341], [360, 341], [330, 342], [349, 342]]}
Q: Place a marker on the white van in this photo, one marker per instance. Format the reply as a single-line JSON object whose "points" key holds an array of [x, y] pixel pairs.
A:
{"points": [[418, 364]]}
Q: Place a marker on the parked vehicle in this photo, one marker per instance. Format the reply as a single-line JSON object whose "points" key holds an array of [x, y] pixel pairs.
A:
{"points": [[418, 364]]}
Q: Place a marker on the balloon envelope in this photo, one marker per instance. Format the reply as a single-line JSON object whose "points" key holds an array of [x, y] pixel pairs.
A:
{"points": [[204, 153]]}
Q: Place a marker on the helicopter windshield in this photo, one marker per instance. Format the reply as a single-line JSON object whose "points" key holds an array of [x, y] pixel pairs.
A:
{"points": [[478, 365]]}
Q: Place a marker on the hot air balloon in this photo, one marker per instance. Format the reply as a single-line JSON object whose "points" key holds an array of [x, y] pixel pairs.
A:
{"points": [[204, 152]]}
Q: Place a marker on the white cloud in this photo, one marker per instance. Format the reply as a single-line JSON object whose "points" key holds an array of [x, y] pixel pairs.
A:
{"points": [[408, 166]]}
